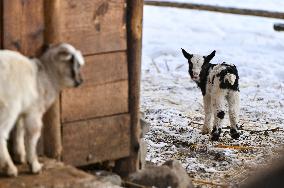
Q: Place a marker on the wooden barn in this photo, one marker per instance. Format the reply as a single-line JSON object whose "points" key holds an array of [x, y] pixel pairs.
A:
{"points": [[98, 121]]}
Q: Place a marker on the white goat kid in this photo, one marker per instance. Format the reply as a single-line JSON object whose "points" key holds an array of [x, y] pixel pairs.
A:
{"points": [[28, 87], [219, 83]]}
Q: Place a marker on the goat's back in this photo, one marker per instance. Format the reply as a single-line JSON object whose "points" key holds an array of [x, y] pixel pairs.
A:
{"points": [[17, 79]]}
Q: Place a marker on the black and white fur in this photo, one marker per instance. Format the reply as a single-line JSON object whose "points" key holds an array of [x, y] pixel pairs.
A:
{"points": [[218, 83]]}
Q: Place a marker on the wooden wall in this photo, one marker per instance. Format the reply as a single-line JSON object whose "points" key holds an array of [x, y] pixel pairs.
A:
{"points": [[95, 117], [98, 121], [23, 26]]}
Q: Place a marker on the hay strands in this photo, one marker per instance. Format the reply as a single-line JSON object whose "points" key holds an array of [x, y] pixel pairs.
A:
{"points": [[198, 181], [236, 147]]}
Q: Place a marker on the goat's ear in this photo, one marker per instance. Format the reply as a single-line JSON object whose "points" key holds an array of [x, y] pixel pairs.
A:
{"points": [[186, 54], [210, 56], [63, 55]]}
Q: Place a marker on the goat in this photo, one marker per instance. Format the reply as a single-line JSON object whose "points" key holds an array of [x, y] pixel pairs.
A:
{"points": [[218, 83], [28, 87]]}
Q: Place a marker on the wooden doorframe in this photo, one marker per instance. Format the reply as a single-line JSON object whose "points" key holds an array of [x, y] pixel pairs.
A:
{"points": [[134, 52], [1, 24]]}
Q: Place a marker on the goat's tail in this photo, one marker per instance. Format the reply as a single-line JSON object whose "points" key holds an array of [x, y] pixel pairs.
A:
{"points": [[231, 78]]}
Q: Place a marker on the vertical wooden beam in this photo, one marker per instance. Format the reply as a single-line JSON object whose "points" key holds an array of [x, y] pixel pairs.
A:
{"points": [[134, 50], [1, 24], [52, 138]]}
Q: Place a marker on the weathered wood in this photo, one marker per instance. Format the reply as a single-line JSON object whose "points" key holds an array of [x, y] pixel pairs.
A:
{"points": [[134, 44], [278, 27], [96, 140], [52, 138], [23, 26], [55, 175], [105, 68], [94, 101], [52, 18], [231, 10], [91, 26]]}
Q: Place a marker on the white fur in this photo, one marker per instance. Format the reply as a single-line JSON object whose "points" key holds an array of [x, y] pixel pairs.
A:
{"points": [[231, 78], [27, 89], [215, 100]]}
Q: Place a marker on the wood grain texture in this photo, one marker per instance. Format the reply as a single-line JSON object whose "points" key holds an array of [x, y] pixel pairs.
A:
{"points": [[52, 138], [134, 52], [52, 18], [94, 101], [105, 68], [23, 26], [91, 26], [96, 140]]}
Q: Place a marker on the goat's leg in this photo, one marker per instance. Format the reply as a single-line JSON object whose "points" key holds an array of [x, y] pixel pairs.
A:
{"points": [[233, 102], [218, 106], [33, 124], [7, 120], [208, 114], [19, 142]]}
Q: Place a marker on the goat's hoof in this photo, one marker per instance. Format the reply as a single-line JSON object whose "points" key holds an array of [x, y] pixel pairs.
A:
{"points": [[12, 171], [20, 158], [234, 133], [36, 167], [215, 134]]}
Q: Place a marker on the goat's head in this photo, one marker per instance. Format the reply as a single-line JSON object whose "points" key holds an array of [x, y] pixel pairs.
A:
{"points": [[68, 62], [196, 62]]}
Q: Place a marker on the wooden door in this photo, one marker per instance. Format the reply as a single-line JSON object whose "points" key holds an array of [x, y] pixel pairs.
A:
{"points": [[91, 123], [95, 117]]}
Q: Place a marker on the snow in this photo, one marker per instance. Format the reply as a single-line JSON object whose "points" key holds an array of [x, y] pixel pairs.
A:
{"points": [[172, 103], [269, 5]]}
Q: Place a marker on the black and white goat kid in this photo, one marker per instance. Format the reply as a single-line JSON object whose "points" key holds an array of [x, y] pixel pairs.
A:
{"points": [[218, 83]]}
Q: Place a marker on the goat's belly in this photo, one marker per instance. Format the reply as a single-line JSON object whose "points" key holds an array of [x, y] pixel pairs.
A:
{"points": [[12, 97]]}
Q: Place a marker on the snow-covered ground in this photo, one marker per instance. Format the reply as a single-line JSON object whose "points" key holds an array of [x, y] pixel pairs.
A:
{"points": [[270, 5], [172, 103]]}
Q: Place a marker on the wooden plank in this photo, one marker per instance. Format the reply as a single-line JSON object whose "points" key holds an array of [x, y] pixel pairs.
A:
{"points": [[54, 175], [134, 51], [231, 10], [94, 101], [23, 26], [96, 140], [105, 68], [91, 26]]}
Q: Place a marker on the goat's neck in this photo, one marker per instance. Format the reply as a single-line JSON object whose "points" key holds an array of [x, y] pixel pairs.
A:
{"points": [[48, 84]]}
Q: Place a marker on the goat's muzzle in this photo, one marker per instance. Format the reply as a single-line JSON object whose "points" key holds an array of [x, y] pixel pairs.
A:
{"points": [[78, 82]]}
